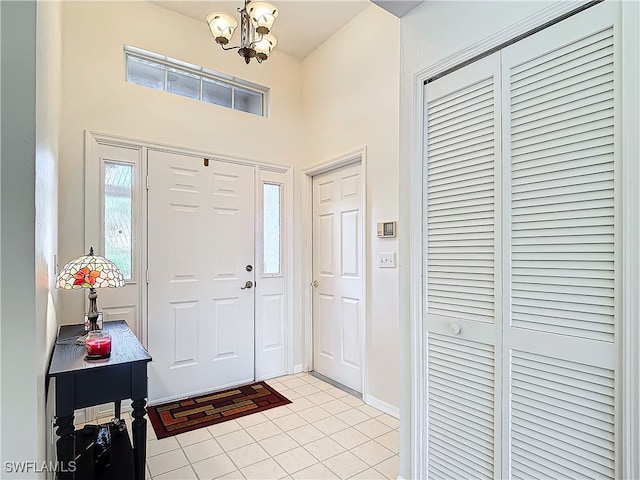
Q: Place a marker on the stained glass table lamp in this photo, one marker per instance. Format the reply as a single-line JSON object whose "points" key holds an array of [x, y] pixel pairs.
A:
{"points": [[90, 271]]}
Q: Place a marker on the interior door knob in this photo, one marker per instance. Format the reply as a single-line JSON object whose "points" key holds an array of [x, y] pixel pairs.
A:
{"points": [[249, 284], [315, 284]]}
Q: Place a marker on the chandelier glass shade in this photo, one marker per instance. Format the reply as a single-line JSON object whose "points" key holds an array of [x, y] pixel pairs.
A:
{"points": [[222, 26], [256, 21]]}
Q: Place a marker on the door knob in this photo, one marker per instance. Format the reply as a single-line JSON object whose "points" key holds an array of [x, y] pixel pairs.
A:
{"points": [[249, 284], [315, 284]]}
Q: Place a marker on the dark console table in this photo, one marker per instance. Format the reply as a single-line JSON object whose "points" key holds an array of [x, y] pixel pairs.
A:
{"points": [[84, 383]]}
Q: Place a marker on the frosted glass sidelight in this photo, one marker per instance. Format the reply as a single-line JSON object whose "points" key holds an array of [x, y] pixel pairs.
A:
{"points": [[272, 226], [118, 215]]}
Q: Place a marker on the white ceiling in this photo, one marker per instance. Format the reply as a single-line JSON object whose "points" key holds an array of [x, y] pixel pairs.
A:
{"points": [[301, 27]]}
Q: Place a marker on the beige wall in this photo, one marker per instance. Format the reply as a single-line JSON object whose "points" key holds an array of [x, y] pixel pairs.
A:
{"points": [[96, 97], [351, 94]]}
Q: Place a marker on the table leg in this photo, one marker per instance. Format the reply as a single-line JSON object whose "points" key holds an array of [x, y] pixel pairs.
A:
{"points": [[65, 446], [139, 431], [116, 408]]}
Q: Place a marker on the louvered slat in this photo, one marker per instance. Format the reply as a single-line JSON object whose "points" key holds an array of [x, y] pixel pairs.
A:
{"points": [[461, 408], [562, 190], [460, 203], [562, 417]]}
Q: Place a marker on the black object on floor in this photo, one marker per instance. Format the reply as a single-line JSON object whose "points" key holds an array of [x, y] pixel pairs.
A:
{"points": [[121, 456]]}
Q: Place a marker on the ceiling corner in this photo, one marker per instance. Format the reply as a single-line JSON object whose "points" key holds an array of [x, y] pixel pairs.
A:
{"points": [[398, 7]]}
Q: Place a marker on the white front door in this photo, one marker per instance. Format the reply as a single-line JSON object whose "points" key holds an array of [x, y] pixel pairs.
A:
{"points": [[338, 271], [201, 300]]}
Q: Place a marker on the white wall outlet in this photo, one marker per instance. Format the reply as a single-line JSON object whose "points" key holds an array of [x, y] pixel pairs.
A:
{"points": [[387, 260]]}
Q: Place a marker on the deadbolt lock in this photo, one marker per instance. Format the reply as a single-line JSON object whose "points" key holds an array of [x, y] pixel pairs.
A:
{"points": [[249, 268]]}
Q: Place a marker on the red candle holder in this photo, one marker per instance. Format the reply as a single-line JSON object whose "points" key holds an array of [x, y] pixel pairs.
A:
{"points": [[98, 345]]}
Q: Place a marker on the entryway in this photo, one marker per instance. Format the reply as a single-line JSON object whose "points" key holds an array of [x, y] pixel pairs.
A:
{"points": [[193, 229]]}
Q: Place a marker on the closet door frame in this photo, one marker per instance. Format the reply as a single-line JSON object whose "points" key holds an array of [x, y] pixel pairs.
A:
{"points": [[629, 18]]}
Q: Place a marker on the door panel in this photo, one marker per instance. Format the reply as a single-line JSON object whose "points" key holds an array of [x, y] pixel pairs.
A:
{"points": [[560, 340], [119, 231], [337, 268], [463, 283], [201, 321], [273, 352]]}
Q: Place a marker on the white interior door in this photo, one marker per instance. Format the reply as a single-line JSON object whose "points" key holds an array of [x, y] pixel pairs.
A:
{"points": [[338, 271], [201, 307]]}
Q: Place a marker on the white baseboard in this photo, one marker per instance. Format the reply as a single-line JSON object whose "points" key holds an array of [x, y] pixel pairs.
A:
{"points": [[382, 406], [297, 368]]}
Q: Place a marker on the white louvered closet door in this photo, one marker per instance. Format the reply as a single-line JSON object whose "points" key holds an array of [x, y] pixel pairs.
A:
{"points": [[561, 343], [463, 265], [523, 249]]}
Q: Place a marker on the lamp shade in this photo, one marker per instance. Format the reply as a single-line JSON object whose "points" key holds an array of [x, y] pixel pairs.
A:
{"points": [[222, 26], [262, 15], [265, 46], [90, 271]]}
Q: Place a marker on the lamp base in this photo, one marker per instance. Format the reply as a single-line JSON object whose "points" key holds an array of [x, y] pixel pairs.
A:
{"points": [[89, 325]]}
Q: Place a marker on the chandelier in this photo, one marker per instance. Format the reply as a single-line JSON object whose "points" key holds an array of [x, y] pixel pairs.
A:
{"points": [[256, 20]]}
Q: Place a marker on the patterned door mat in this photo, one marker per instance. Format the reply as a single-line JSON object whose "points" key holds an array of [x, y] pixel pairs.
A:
{"points": [[181, 416]]}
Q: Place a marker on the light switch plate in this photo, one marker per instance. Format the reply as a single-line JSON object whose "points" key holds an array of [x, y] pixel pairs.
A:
{"points": [[387, 260]]}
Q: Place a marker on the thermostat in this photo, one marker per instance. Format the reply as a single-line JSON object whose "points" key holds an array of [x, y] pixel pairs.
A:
{"points": [[387, 229]]}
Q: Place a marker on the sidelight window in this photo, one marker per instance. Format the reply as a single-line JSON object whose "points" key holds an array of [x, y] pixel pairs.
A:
{"points": [[272, 228], [118, 215]]}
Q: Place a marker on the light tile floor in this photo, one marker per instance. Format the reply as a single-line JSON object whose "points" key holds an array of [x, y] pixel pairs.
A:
{"points": [[325, 433]]}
